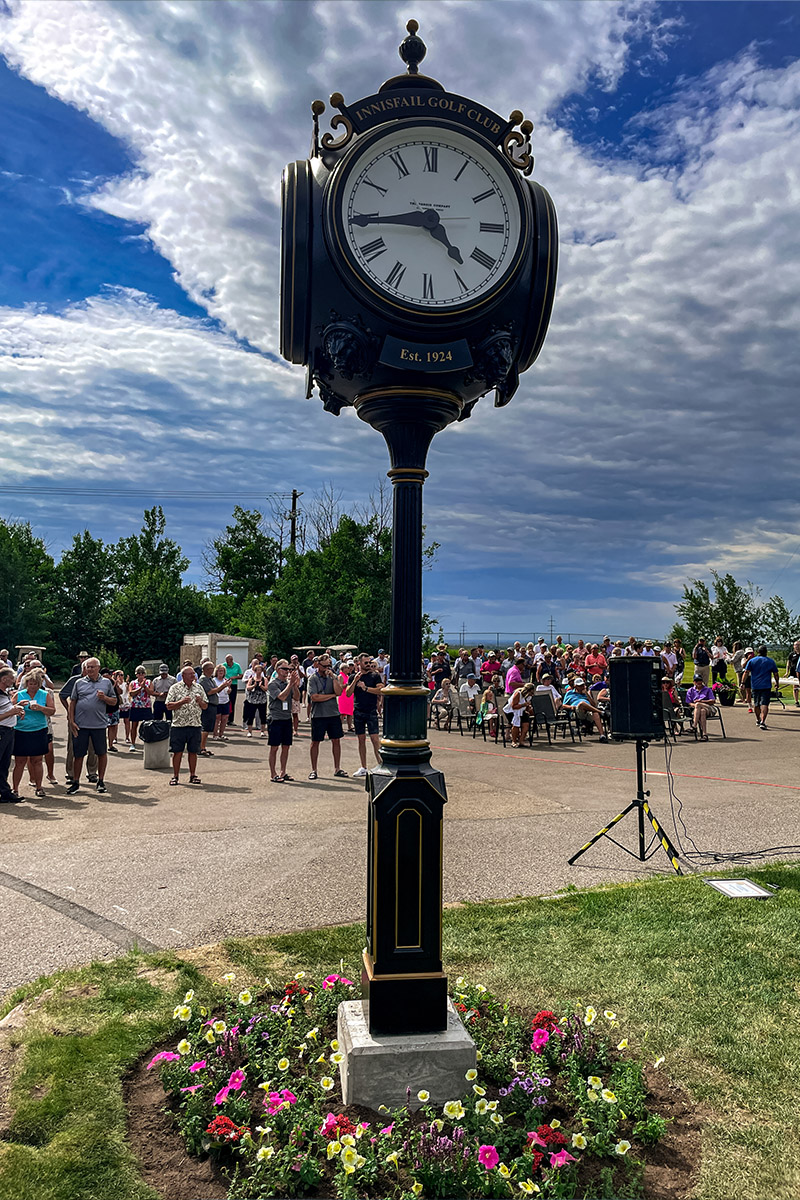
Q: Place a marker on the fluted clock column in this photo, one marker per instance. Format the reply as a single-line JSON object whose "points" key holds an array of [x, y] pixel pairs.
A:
{"points": [[405, 989]]}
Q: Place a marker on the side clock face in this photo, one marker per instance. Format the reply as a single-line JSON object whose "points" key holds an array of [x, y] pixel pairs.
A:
{"points": [[428, 219]]}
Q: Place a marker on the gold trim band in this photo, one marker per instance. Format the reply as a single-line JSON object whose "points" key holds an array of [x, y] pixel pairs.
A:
{"points": [[396, 471], [392, 690], [416, 745], [369, 967], [410, 393]]}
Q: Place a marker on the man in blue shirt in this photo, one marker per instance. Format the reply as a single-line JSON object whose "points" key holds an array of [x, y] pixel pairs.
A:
{"points": [[758, 673]]}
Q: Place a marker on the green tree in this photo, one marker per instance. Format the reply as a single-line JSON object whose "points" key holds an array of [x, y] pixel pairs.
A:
{"points": [[731, 613], [776, 624], [83, 588], [242, 561], [148, 550], [26, 595], [149, 616]]}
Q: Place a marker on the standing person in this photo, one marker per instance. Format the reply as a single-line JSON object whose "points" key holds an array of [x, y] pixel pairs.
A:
{"points": [[760, 671], [514, 676], [140, 691], [669, 660], [121, 688], [680, 657], [383, 663], [738, 661], [64, 695], [747, 691], [10, 712], [721, 657], [161, 685], [294, 665], [256, 697], [791, 669], [346, 670], [281, 690], [324, 690], [212, 688], [223, 704], [30, 735], [124, 706], [365, 686], [233, 674], [91, 699], [187, 702], [701, 700], [701, 657], [518, 708]]}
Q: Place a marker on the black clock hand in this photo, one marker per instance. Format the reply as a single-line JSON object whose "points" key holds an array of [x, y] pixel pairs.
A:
{"points": [[440, 233], [412, 218]]}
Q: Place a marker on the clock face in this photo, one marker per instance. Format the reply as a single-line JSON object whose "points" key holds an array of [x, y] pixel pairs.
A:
{"points": [[428, 218]]}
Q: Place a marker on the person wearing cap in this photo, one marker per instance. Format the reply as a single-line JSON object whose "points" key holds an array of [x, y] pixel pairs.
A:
{"points": [[669, 660], [383, 665], [489, 668], [648, 651], [282, 690], [161, 685], [470, 688], [546, 687], [577, 699], [759, 671], [700, 699]]}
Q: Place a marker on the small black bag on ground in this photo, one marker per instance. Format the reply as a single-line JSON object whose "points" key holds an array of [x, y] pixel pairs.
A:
{"points": [[154, 731]]}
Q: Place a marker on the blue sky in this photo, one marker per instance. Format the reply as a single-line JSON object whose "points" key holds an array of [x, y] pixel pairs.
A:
{"points": [[140, 157]]}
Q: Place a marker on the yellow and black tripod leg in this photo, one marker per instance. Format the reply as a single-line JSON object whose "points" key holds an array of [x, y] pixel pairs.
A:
{"points": [[602, 832], [672, 853]]}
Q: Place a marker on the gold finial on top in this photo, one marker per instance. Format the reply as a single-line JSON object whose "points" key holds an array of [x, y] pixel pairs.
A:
{"points": [[526, 127], [318, 107], [516, 116], [337, 99], [412, 26]]}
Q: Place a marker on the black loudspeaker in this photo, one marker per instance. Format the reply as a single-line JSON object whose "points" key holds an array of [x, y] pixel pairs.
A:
{"points": [[634, 686]]}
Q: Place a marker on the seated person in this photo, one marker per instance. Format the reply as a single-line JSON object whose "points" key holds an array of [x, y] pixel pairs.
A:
{"points": [[701, 700], [671, 702], [547, 688], [598, 689], [577, 698], [470, 689], [442, 698]]}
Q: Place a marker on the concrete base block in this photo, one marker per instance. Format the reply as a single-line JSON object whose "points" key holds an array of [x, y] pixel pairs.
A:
{"points": [[380, 1070], [157, 756]]}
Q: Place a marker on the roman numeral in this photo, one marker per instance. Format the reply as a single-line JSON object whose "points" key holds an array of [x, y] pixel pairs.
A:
{"points": [[373, 249], [427, 287], [397, 159], [461, 171], [491, 227], [395, 276], [483, 196], [377, 187], [484, 259], [431, 158], [461, 283]]}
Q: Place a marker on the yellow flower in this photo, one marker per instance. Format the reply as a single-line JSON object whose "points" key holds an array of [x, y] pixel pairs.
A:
{"points": [[423, 1096], [479, 987], [349, 1155], [321, 1059], [283, 1064], [392, 1158], [478, 1090], [361, 1129], [219, 1027], [439, 1123], [493, 1105], [609, 1015], [326, 1083], [267, 982], [348, 1168], [264, 1087], [187, 999], [461, 982], [594, 1081], [470, 1075], [333, 1149], [209, 1036], [504, 1022], [481, 1107], [608, 1096], [496, 1119], [182, 1012], [503, 1170], [658, 1062], [555, 1124], [313, 1033], [592, 1094], [478, 1055], [528, 1187], [336, 1058], [334, 1044], [623, 1044], [183, 1046], [300, 975], [622, 1148], [245, 998], [203, 1012], [579, 1141], [590, 1017], [347, 1139], [360, 1160], [416, 1189], [265, 1152], [454, 1109], [229, 978]]}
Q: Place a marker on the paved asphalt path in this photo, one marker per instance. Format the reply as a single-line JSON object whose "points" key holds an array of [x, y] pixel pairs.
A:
{"points": [[85, 876]]}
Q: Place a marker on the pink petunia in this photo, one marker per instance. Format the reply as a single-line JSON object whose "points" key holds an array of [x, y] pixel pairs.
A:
{"points": [[236, 1080], [535, 1140], [288, 1096], [540, 1039], [198, 1066], [346, 982], [164, 1056], [561, 1159], [329, 1124], [329, 981], [488, 1157], [222, 1095], [195, 1088], [387, 1128]]}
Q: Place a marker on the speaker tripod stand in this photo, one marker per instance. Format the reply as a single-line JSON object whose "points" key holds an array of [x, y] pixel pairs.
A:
{"points": [[642, 810]]}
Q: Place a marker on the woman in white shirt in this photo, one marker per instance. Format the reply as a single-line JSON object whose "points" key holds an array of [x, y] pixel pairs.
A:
{"points": [[223, 705]]}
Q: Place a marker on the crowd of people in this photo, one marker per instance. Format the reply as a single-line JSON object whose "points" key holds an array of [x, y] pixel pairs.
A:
{"points": [[199, 702]]}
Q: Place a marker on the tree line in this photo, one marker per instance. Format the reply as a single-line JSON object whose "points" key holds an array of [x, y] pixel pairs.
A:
{"points": [[736, 613]]}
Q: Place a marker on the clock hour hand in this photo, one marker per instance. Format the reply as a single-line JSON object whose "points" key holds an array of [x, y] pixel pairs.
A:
{"points": [[411, 218], [440, 233]]}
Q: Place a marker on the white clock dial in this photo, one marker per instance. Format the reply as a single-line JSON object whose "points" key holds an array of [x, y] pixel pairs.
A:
{"points": [[429, 218]]}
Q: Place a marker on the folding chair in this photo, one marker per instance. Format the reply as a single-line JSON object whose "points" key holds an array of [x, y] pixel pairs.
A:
{"points": [[565, 719]]}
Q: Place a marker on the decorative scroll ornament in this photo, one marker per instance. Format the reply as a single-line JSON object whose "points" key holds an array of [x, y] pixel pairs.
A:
{"points": [[331, 401], [349, 346], [517, 145], [340, 121], [495, 363]]}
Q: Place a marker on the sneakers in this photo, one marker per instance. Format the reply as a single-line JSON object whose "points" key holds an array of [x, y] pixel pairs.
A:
{"points": [[749, 710], [11, 798], [763, 725], [360, 773], [73, 788], [113, 750], [132, 749], [101, 787], [92, 778]]}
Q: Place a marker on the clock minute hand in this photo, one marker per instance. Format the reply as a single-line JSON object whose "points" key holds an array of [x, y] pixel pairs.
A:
{"points": [[440, 233], [411, 218]]}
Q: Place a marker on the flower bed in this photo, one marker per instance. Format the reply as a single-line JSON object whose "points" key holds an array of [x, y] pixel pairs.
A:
{"points": [[557, 1106]]}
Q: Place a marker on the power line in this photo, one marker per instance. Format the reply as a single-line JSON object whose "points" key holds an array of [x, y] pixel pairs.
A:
{"points": [[137, 495]]}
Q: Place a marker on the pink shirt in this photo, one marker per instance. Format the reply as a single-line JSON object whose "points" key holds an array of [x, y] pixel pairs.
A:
{"points": [[513, 680]]}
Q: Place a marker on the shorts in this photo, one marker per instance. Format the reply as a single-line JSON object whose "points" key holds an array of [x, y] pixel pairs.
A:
{"points": [[80, 742], [113, 717], [366, 722], [223, 709], [208, 718], [295, 708], [125, 713], [322, 725], [184, 737], [761, 695], [141, 714], [30, 743], [279, 732]]}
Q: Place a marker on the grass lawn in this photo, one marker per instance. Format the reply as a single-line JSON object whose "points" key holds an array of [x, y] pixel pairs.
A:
{"points": [[712, 984]]}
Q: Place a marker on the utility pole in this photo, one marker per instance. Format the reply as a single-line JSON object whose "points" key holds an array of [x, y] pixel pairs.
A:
{"points": [[293, 518], [552, 627]]}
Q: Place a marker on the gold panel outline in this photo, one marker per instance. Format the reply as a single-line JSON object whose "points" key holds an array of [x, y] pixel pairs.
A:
{"points": [[416, 945]]}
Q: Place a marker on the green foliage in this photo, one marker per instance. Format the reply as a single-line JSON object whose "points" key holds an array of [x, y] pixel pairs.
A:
{"points": [[148, 550], [732, 613], [777, 625], [149, 616], [340, 592], [26, 595], [83, 589], [242, 561]]}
